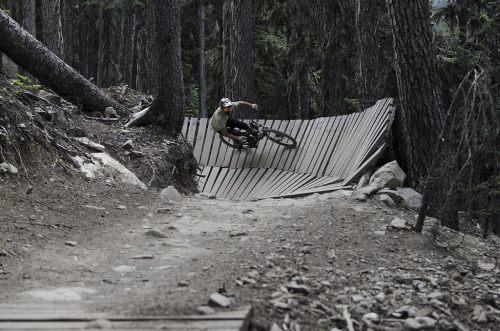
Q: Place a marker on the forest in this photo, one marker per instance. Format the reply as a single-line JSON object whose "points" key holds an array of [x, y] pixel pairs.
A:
{"points": [[307, 59]]}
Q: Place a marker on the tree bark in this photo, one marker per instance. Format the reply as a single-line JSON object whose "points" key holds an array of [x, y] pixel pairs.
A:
{"points": [[51, 29], [202, 90], [130, 47], [104, 56], [332, 82], [422, 114], [167, 109], [238, 62], [33, 56], [67, 19], [366, 23]]}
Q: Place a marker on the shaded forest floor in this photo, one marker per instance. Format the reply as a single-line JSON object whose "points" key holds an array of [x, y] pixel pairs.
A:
{"points": [[314, 263]]}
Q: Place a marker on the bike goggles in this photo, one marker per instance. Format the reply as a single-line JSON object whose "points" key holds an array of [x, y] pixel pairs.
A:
{"points": [[227, 109]]}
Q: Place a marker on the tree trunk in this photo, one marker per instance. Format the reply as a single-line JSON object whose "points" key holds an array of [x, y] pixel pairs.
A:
{"points": [[33, 56], [202, 90], [82, 40], [51, 29], [366, 23], [238, 63], [332, 82], [151, 57], [129, 57], [103, 55], [421, 118], [67, 19], [167, 109]]}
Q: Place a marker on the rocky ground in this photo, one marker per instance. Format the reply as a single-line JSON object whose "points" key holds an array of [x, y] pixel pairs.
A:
{"points": [[322, 262]]}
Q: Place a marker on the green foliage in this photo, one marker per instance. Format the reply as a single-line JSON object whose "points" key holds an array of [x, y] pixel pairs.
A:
{"points": [[21, 85]]}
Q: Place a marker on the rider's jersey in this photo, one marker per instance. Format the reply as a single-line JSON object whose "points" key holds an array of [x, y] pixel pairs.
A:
{"points": [[219, 118]]}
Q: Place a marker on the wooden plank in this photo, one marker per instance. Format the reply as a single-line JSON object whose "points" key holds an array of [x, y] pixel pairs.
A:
{"points": [[228, 181], [275, 182], [363, 167], [213, 173], [235, 320], [317, 132], [201, 180], [328, 189], [308, 134], [185, 126], [237, 182], [219, 181], [250, 178], [377, 133], [276, 150], [208, 146], [339, 148], [293, 130], [337, 129], [259, 152], [259, 178], [306, 178], [269, 176], [301, 138], [289, 179], [268, 146], [326, 137], [193, 124], [200, 138], [363, 132]]}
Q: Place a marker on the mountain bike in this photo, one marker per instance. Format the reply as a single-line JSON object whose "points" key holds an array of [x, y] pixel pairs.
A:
{"points": [[258, 132]]}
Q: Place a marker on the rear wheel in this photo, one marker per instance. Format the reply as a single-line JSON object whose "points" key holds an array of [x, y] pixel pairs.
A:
{"points": [[281, 138]]}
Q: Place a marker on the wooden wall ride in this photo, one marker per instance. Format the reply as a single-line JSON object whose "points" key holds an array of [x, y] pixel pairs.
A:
{"points": [[331, 153]]}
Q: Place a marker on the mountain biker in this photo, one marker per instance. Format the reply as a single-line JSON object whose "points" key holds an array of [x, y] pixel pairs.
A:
{"points": [[223, 122]]}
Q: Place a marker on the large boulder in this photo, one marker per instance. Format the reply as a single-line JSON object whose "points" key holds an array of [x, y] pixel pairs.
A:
{"points": [[389, 175], [411, 198]]}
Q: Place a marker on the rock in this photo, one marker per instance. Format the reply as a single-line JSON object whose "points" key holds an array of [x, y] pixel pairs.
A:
{"points": [[104, 165], [392, 193], [205, 310], [205, 195], [297, 288], [90, 144], [110, 112], [70, 243], [410, 198], [52, 98], [360, 197], [156, 233], [401, 224], [218, 300], [389, 175], [387, 200], [368, 190], [8, 168], [129, 144], [170, 193]]}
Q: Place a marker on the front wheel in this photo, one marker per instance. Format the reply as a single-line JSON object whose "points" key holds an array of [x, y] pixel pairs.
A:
{"points": [[281, 138]]}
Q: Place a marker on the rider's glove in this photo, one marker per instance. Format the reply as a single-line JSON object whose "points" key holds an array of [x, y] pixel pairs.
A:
{"points": [[241, 139], [254, 106]]}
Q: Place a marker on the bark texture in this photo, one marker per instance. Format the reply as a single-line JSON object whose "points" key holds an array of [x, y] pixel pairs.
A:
{"points": [[34, 57], [366, 24], [238, 54], [421, 117], [167, 109], [332, 82]]}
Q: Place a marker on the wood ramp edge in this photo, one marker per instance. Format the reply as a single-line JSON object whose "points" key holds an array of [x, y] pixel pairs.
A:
{"points": [[46, 317]]}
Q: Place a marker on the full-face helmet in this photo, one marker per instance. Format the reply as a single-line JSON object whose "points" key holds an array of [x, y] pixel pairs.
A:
{"points": [[226, 105]]}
